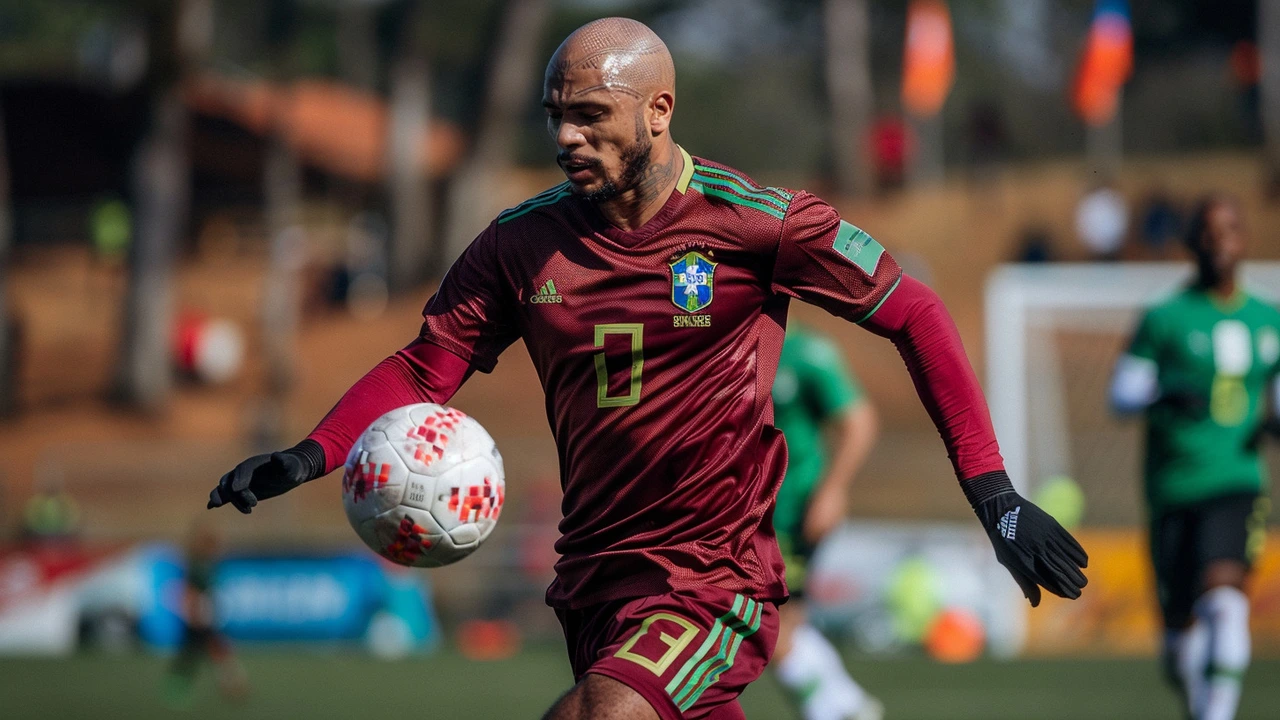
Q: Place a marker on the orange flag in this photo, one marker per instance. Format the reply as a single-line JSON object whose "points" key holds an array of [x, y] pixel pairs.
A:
{"points": [[1105, 64], [929, 63]]}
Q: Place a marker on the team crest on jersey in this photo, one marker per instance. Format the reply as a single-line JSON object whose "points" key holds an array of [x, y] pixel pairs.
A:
{"points": [[692, 282]]}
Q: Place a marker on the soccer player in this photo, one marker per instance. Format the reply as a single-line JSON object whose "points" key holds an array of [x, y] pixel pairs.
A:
{"points": [[651, 291], [1199, 366], [814, 394], [200, 637]]}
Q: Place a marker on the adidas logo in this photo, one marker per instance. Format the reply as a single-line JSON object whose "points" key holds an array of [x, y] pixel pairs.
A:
{"points": [[1009, 524], [547, 294]]}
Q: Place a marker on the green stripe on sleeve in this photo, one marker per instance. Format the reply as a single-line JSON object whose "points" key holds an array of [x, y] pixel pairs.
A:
{"points": [[550, 197], [736, 199], [867, 317], [735, 187], [707, 169]]}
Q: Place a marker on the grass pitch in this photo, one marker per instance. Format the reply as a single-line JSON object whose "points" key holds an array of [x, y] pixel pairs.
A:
{"points": [[338, 685]]}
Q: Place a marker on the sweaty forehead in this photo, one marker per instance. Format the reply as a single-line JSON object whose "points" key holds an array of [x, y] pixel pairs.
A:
{"points": [[624, 58]]}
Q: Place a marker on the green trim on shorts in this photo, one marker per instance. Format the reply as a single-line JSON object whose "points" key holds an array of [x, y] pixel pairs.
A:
{"points": [[743, 620]]}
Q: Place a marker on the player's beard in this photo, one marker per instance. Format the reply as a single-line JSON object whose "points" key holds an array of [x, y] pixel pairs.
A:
{"points": [[635, 162]]}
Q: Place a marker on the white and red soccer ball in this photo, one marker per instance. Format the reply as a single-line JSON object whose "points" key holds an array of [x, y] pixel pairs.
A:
{"points": [[423, 486]]}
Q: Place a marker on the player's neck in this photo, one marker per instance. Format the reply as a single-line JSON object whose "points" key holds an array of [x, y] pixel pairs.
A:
{"points": [[1223, 290], [633, 208]]}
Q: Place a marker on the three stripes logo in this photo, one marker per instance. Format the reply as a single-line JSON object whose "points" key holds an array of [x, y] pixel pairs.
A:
{"points": [[547, 295], [1009, 524]]}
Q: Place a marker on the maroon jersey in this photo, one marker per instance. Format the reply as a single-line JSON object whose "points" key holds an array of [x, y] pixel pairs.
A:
{"points": [[657, 349]]}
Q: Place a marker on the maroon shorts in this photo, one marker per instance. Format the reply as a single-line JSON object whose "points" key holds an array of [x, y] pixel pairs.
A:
{"points": [[689, 653]]}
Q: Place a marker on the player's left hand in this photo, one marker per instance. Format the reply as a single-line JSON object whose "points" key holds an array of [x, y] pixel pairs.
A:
{"points": [[1032, 546], [826, 512], [265, 476]]}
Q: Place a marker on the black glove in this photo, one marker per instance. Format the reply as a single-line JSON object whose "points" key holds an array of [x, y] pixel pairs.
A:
{"points": [[266, 476], [1031, 545]]}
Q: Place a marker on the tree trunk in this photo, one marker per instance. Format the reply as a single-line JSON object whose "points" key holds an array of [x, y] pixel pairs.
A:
{"points": [[161, 189], [357, 45], [513, 74], [8, 351], [849, 90], [408, 185], [1269, 49], [282, 190], [179, 35]]}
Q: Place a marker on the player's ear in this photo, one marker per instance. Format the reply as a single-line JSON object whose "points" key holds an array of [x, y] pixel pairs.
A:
{"points": [[661, 108]]}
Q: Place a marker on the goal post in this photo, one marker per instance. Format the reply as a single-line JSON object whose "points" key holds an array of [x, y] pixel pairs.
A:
{"points": [[1053, 332]]}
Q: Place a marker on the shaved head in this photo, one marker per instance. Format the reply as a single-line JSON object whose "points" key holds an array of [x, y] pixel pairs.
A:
{"points": [[625, 54], [609, 92]]}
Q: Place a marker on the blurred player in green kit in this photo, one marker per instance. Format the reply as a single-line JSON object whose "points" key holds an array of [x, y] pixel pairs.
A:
{"points": [[1203, 366], [830, 427]]}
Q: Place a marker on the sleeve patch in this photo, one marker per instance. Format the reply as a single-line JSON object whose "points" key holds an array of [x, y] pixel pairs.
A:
{"points": [[858, 247]]}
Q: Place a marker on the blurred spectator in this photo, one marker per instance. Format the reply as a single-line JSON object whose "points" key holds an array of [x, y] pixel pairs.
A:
{"points": [[1035, 245], [892, 147], [1246, 72], [111, 227], [987, 138], [360, 282], [1161, 223], [1102, 219], [51, 515]]}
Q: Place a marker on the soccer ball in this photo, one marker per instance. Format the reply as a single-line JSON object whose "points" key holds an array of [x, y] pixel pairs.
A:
{"points": [[423, 486]]}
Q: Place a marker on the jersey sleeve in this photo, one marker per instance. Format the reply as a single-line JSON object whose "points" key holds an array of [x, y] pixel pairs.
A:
{"points": [[833, 264], [470, 315], [828, 386], [1146, 338]]}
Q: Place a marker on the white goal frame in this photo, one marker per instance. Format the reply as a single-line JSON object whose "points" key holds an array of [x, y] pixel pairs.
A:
{"points": [[1022, 299]]}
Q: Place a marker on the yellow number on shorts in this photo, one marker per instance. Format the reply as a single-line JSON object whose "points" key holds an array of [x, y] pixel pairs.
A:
{"points": [[675, 645]]}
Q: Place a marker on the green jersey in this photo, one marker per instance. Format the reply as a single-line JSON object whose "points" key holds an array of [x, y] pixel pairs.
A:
{"points": [[813, 385], [1225, 353]]}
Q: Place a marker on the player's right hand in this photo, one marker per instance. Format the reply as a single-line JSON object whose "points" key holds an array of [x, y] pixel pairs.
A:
{"points": [[1029, 543], [268, 475]]}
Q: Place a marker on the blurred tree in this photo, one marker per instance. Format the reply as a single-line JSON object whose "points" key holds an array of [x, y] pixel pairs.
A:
{"points": [[1269, 52], [848, 70], [513, 70], [408, 186], [357, 44], [282, 195], [161, 190], [8, 354]]}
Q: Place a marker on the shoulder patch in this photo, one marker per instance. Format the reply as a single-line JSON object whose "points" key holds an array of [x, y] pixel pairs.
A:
{"points": [[543, 199], [858, 247], [737, 189]]}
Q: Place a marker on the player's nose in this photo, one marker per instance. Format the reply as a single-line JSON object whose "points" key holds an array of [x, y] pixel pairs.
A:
{"points": [[570, 136]]}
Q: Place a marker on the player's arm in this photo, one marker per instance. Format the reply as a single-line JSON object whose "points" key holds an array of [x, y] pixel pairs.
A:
{"points": [[464, 329], [852, 426], [853, 433], [836, 266], [1135, 381]]}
